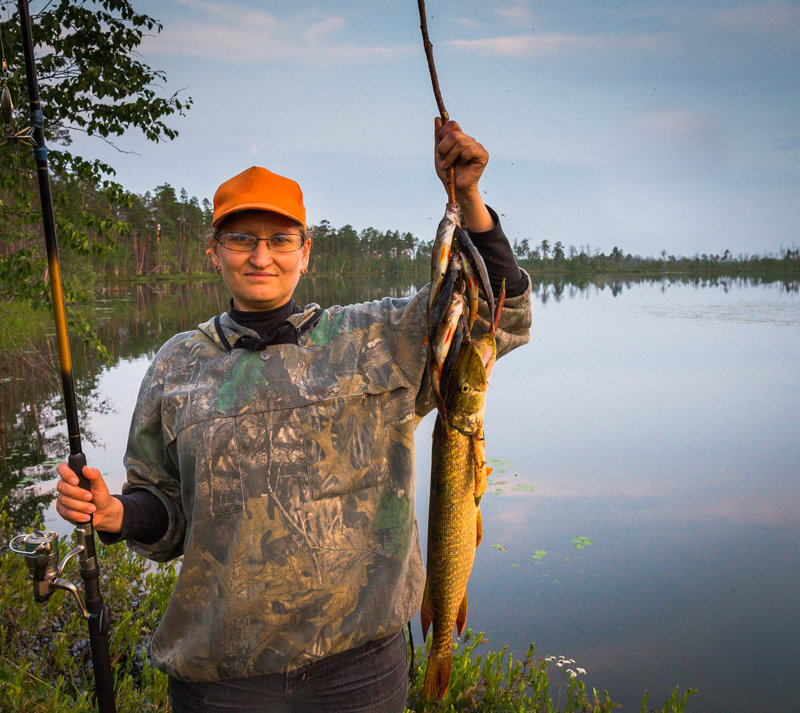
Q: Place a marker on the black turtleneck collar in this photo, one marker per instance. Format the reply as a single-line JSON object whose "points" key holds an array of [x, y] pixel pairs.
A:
{"points": [[270, 324]]}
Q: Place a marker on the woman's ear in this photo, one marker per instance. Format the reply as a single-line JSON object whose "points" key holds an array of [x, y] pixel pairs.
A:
{"points": [[212, 251]]}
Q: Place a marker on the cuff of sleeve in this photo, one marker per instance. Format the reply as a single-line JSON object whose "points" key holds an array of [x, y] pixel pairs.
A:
{"points": [[144, 518], [499, 258], [112, 538], [491, 235]]}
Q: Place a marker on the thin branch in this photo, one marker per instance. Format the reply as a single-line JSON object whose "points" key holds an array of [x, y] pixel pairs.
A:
{"points": [[437, 93], [99, 136], [426, 43]]}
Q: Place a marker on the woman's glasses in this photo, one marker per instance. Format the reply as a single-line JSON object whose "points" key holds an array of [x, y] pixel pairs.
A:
{"points": [[242, 242]]}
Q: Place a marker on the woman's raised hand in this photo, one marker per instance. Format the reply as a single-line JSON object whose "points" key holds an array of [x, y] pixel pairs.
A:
{"points": [[77, 505], [468, 158]]}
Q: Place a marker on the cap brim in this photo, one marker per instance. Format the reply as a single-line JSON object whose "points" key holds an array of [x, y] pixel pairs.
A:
{"points": [[256, 206]]}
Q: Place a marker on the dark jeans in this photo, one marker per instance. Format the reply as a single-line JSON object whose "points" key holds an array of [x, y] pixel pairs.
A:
{"points": [[372, 678]]}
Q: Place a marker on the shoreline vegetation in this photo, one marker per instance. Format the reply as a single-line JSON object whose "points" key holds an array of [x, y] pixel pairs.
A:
{"points": [[161, 236], [45, 664], [164, 232]]}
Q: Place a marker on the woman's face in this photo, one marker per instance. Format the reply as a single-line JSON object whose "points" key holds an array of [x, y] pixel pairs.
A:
{"points": [[260, 279]]}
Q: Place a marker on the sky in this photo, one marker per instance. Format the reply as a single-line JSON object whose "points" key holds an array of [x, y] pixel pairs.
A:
{"points": [[650, 125]]}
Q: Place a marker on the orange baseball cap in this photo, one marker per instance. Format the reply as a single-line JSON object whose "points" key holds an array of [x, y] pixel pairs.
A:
{"points": [[259, 189]]}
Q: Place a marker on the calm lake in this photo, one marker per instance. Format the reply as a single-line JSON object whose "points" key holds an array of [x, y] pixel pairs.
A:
{"points": [[643, 516]]}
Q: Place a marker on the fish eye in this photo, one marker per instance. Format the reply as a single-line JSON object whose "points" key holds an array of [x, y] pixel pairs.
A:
{"points": [[464, 388]]}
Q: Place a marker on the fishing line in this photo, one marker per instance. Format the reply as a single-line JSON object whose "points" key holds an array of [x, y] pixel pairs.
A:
{"points": [[6, 95]]}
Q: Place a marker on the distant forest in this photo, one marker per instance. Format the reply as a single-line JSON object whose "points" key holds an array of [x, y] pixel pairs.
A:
{"points": [[166, 230], [560, 261], [163, 233]]}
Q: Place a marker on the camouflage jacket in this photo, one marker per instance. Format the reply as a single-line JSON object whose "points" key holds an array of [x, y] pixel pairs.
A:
{"points": [[288, 476]]}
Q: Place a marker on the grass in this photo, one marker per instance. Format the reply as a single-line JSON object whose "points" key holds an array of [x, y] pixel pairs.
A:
{"points": [[496, 682], [45, 665]]}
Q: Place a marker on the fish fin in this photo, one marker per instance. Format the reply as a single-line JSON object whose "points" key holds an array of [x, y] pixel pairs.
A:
{"points": [[437, 676], [426, 613], [438, 396], [478, 527], [498, 309], [478, 265], [481, 469], [461, 617], [424, 391], [444, 424]]}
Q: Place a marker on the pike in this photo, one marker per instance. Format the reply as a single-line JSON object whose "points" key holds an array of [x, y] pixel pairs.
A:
{"points": [[473, 258], [462, 333], [471, 291], [442, 245], [458, 480], [440, 345], [453, 517], [443, 299]]}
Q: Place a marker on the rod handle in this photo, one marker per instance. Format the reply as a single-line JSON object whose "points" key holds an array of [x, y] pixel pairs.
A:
{"points": [[76, 461]]}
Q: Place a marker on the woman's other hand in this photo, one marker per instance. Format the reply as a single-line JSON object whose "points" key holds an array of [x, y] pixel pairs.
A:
{"points": [[77, 505], [468, 158]]}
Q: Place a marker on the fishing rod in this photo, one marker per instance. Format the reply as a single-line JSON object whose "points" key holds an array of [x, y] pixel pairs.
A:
{"points": [[40, 548]]}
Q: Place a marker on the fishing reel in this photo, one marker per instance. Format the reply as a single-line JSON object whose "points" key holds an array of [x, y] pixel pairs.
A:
{"points": [[41, 551]]}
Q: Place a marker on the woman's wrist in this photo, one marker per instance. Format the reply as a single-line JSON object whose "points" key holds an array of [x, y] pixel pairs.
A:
{"points": [[477, 217], [110, 518]]}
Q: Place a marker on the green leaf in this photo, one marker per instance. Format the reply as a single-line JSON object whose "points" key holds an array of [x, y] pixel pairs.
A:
{"points": [[581, 542]]}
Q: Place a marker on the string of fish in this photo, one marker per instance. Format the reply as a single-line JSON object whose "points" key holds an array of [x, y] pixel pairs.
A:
{"points": [[457, 373]]}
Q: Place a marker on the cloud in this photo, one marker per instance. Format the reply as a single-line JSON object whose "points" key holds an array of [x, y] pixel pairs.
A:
{"points": [[771, 18], [515, 12], [775, 17], [552, 44], [248, 35], [318, 31], [680, 123]]}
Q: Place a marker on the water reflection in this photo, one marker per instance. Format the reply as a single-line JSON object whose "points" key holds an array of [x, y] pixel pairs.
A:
{"points": [[132, 322], [547, 288], [655, 418]]}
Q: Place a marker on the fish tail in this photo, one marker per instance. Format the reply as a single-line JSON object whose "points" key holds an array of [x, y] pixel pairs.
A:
{"points": [[437, 676]]}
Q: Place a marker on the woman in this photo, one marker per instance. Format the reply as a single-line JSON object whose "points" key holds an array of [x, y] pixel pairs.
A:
{"points": [[273, 448]]}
